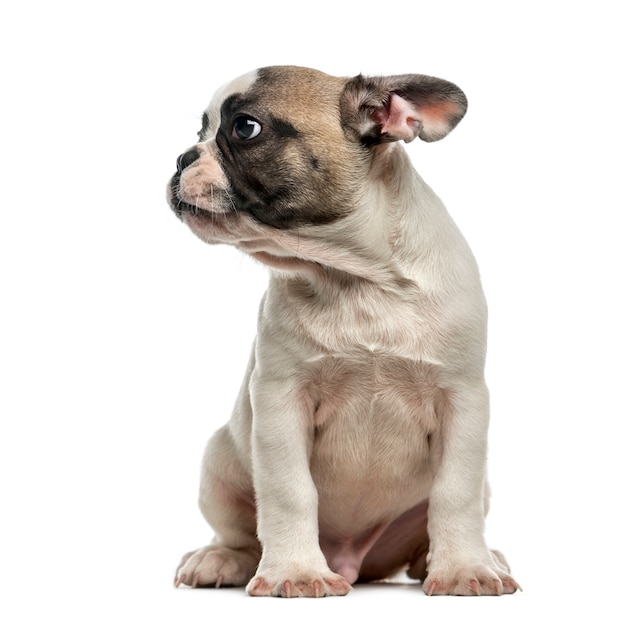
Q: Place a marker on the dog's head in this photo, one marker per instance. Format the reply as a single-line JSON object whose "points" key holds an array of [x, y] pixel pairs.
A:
{"points": [[286, 150]]}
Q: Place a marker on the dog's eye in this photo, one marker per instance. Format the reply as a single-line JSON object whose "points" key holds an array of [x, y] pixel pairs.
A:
{"points": [[246, 128]]}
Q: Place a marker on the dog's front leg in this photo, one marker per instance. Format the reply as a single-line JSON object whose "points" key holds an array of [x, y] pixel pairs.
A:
{"points": [[459, 561], [292, 563]]}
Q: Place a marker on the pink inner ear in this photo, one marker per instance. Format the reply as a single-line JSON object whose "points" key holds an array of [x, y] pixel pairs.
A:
{"points": [[398, 119], [439, 112], [401, 121]]}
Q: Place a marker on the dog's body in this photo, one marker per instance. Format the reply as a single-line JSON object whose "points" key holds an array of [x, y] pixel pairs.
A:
{"points": [[357, 445]]}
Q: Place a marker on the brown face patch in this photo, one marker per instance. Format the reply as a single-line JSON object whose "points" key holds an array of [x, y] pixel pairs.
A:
{"points": [[283, 149]]}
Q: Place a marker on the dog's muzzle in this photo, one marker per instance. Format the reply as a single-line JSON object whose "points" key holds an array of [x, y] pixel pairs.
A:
{"points": [[183, 161]]}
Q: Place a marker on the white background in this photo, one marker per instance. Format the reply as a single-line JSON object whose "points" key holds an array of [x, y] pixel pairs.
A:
{"points": [[123, 338]]}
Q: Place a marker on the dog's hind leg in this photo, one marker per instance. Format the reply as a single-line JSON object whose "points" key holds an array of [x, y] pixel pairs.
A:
{"points": [[227, 503], [403, 545]]}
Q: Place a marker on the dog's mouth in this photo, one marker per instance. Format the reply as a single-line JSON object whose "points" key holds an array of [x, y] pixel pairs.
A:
{"points": [[204, 223], [183, 209], [178, 205]]}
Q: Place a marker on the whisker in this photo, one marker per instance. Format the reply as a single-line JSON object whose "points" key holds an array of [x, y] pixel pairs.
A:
{"points": [[230, 198]]}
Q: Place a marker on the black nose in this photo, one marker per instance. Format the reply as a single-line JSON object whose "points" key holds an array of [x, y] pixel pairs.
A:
{"points": [[186, 159]]}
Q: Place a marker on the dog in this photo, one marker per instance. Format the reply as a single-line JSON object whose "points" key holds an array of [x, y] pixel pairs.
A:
{"points": [[357, 445]]}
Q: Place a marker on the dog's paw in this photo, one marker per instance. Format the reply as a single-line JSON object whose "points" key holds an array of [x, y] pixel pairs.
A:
{"points": [[299, 584], [483, 579], [216, 566]]}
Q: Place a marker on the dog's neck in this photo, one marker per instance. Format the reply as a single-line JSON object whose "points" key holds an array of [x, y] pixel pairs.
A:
{"points": [[401, 234]]}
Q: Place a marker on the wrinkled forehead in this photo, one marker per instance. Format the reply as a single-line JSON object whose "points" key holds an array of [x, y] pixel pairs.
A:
{"points": [[284, 92]]}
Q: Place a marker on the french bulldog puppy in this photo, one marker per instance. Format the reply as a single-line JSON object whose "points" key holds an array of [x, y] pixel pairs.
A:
{"points": [[357, 444]]}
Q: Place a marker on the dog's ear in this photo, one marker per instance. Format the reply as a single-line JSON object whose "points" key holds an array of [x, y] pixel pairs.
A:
{"points": [[403, 107]]}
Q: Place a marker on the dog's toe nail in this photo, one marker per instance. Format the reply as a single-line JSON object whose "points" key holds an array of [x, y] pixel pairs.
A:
{"points": [[317, 588], [515, 586], [254, 585], [287, 588]]}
